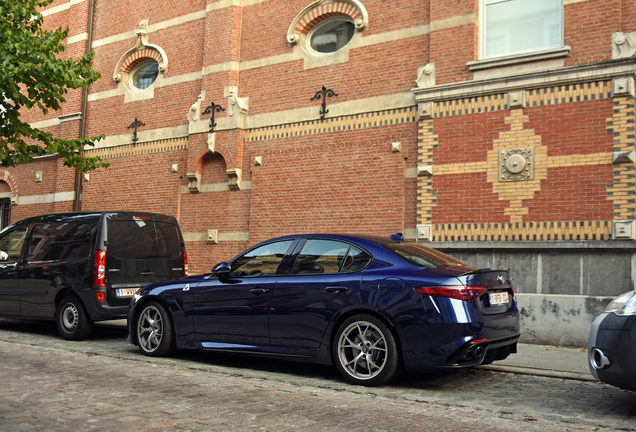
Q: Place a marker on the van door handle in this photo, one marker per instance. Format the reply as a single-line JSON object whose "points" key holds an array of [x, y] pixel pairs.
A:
{"points": [[147, 273], [259, 290], [336, 289]]}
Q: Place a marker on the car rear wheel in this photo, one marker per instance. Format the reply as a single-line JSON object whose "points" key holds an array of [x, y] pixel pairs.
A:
{"points": [[154, 330], [365, 351], [73, 322]]}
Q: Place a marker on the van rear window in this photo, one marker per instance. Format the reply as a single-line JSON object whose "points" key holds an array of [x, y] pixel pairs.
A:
{"points": [[142, 239]]}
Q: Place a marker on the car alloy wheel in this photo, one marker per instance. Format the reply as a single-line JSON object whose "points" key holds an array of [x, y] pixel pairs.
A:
{"points": [[366, 351], [154, 330]]}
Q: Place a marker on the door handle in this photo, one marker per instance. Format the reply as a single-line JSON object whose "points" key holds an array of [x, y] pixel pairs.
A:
{"points": [[147, 273], [259, 290], [336, 289]]}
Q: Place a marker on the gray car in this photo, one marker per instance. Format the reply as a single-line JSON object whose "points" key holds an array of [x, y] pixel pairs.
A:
{"points": [[612, 343]]}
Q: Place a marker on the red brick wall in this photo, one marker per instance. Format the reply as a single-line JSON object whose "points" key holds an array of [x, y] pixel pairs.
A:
{"points": [[347, 182], [467, 138], [576, 128], [573, 194], [588, 29]]}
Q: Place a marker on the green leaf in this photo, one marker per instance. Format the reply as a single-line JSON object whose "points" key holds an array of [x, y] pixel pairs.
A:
{"points": [[32, 75]]}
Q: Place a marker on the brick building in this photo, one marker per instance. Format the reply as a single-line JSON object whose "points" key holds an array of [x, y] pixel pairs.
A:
{"points": [[499, 131]]}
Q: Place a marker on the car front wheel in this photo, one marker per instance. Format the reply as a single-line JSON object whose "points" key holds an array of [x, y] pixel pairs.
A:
{"points": [[365, 351], [73, 322], [154, 330]]}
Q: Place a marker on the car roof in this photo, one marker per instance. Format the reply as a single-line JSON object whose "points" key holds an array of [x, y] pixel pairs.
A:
{"points": [[376, 239]]}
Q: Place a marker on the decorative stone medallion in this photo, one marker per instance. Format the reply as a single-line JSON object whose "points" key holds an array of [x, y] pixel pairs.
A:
{"points": [[516, 164]]}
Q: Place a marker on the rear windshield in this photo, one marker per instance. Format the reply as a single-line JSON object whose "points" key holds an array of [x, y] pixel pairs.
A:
{"points": [[422, 256], [142, 239]]}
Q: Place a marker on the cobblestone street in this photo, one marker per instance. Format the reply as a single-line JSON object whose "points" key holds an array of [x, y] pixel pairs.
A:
{"points": [[105, 384]]}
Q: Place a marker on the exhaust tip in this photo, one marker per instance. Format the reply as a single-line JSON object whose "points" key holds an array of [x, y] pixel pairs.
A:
{"points": [[479, 351], [598, 359]]}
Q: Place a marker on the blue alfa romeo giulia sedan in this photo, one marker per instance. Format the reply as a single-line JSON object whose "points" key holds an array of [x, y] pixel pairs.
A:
{"points": [[370, 305]]}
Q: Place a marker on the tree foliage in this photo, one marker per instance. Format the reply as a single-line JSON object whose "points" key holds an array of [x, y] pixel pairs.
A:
{"points": [[33, 75]]}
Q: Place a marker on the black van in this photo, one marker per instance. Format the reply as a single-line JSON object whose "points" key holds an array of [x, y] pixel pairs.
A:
{"points": [[78, 268]]}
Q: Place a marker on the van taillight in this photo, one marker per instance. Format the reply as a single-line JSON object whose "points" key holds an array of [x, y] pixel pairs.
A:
{"points": [[99, 271], [185, 263]]}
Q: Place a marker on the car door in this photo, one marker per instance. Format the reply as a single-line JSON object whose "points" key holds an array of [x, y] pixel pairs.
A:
{"points": [[324, 276], [57, 258], [234, 309], [11, 245]]}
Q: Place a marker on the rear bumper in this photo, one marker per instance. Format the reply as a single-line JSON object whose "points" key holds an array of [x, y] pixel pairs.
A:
{"points": [[457, 345], [612, 350], [101, 311]]}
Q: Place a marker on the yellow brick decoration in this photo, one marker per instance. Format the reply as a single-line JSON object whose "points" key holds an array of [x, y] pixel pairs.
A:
{"points": [[141, 148], [523, 231], [623, 191], [516, 192], [334, 124], [427, 141]]}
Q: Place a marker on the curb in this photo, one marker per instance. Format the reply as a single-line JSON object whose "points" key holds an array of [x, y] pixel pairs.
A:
{"points": [[539, 372]]}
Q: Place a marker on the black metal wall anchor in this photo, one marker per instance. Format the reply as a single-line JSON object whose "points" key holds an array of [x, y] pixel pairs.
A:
{"points": [[135, 124], [212, 109], [324, 93]]}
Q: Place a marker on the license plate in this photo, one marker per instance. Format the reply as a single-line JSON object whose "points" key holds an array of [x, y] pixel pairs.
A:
{"points": [[126, 292], [498, 298]]}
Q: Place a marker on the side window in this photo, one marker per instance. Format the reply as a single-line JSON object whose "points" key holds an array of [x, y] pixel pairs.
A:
{"points": [[320, 256], [357, 259], [11, 244], [511, 27], [61, 240], [263, 260]]}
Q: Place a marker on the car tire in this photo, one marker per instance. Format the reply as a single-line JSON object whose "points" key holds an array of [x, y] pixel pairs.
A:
{"points": [[153, 329], [73, 322], [365, 351]]}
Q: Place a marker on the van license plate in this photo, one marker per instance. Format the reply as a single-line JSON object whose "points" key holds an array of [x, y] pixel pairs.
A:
{"points": [[498, 298], [126, 292]]}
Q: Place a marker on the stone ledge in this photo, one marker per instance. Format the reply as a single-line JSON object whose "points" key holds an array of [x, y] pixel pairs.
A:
{"points": [[539, 245]]}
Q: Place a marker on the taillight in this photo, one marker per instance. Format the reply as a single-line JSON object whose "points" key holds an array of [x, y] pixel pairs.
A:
{"points": [[460, 292], [99, 270], [185, 263]]}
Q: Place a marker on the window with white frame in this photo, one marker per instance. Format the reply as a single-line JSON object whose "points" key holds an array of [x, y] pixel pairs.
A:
{"points": [[510, 27]]}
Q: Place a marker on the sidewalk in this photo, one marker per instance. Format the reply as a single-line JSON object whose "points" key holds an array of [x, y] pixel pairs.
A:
{"points": [[542, 360]]}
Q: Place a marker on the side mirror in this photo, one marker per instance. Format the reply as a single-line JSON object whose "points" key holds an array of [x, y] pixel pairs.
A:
{"points": [[4, 256], [221, 269]]}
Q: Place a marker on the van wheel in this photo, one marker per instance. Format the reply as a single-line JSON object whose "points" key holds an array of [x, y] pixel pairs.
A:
{"points": [[365, 351], [73, 322], [154, 330]]}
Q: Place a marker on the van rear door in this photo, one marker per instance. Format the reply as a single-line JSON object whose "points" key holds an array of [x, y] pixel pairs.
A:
{"points": [[140, 249]]}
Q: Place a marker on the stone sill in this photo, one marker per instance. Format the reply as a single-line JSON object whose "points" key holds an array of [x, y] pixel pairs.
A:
{"points": [[538, 245], [518, 59]]}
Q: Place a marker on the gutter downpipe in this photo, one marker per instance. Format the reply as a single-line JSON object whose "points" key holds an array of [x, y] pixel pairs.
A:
{"points": [[77, 204]]}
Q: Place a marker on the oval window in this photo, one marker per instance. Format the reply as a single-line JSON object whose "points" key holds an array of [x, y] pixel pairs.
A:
{"points": [[331, 35], [144, 74]]}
